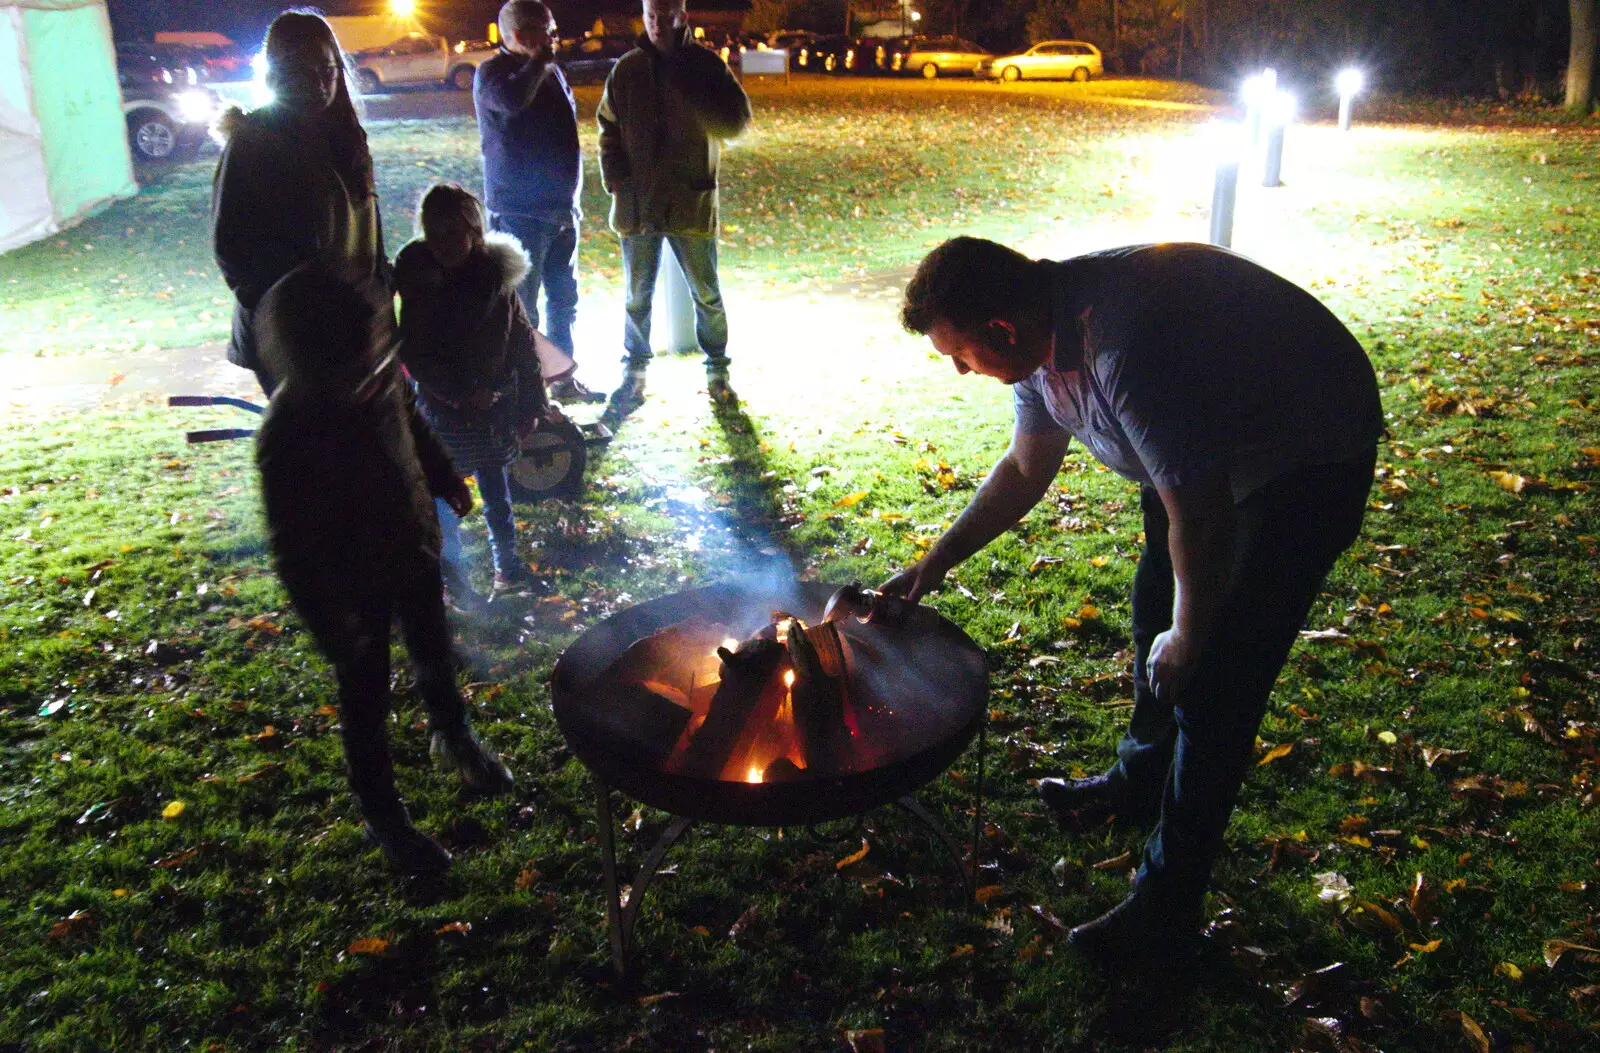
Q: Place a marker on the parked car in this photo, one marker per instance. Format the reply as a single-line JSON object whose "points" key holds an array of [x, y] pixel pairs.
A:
{"points": [[944, 56], [1073, 59], [417, 59], [792, 39], [589, 59], [168, 108], [835, 54], [880, 56]]}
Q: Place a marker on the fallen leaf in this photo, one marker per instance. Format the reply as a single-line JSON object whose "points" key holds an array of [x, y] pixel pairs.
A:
{"points": [[1121, 862], [1427, 948], [1282, 749], [457, 927], [173, 810], [988, 892], [866, 1040], [177, 859], [1423, 900], [1510, 970], [853, 857], [962, 951], [1048, 923], [79, 921], [1332, 888], [1554, 949], [1474, 1033], [1443, 759], [851, 500], [742, 923], [652, 999], [369, 945]]}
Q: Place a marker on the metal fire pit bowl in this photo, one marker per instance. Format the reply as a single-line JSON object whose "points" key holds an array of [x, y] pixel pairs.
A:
{"points": [[923, 683], [917, 690]]}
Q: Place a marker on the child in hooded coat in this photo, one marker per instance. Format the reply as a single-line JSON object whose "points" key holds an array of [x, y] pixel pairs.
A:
{"points": [[467, 341], [348, 470]]}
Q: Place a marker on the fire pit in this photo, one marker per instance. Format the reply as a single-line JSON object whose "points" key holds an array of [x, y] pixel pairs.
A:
{"points": [[741, 704]]}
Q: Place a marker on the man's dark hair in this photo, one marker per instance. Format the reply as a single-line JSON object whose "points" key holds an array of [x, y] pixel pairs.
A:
{"points": [[967, 282]]}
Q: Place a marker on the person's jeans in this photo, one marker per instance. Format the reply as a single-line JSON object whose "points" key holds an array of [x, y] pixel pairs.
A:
{"points": [[494, 489], [553, 251], [641, 259], [1186, 761]]}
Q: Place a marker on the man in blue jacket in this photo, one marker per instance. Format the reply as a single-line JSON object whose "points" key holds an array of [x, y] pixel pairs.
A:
{"points": [[532, 168]]}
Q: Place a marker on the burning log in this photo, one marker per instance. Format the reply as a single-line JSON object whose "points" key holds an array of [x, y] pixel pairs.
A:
{"points": [[748, 674], [817, 698]]}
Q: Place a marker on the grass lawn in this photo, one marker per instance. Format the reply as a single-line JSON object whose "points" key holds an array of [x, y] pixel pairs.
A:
{"points": [[1412, 862]]}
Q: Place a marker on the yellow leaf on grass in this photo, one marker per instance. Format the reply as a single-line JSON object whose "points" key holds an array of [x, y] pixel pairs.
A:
{"points": [[1281, 750], [851, 500], [988, 892], [458, 927], [962, 951], [1474, 1033], [1098, 561], [1426, 948], [369, 945], [173, 810], [1510, 971], [853, 857]]}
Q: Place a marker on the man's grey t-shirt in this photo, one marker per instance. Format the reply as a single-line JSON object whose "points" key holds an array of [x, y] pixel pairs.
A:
{"points": [[1174, 361]]}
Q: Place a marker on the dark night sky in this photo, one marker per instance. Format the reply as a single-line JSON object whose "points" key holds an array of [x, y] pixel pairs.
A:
{"points": [[246, 20]]}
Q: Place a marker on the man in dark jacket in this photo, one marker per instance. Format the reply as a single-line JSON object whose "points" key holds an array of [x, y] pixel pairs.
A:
{"points": [[668, 106], [532, 169]]}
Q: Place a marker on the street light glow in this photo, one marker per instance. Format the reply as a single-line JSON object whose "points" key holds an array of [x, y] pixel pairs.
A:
{"points": [[1259, 89], [1349, 82], [403, 8]]}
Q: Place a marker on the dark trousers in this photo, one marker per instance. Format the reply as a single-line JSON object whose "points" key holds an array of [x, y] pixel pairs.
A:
{"points": [[553, 252], [353, 632], [641, 261], [1185, 759]]}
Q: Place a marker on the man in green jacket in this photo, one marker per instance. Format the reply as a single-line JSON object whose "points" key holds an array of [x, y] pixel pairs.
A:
{"points": [[668, 106]]}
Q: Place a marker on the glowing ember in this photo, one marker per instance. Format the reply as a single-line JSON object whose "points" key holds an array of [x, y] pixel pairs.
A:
{"points": [[788, 678]]}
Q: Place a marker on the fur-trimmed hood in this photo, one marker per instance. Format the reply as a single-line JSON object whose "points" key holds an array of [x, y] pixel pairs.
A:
{"points": [[502, 257]]}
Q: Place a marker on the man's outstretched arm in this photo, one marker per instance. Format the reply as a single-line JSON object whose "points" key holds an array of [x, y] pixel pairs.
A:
{"points": [[1016, 483]]}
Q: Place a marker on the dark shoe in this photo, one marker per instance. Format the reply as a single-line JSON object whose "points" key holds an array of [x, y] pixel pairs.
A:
{"points": [[1079, 803], [572, 390], [406, 847], [720, 391], [478, 769], [514, 578], [630, 395], [1142, 935]]}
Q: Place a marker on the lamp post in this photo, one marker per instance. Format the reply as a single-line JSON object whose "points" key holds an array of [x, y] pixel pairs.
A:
{"points": [[1227, 144], [1348, 82], [1258, 92]]}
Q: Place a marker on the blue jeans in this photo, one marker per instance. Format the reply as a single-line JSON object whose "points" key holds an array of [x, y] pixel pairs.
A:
{"points": [[641, 259], [553, 251], [1186, 761], [493, 487]]}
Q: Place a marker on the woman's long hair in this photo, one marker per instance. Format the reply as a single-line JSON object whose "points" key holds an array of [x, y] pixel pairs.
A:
{"points": [[300, 29]]}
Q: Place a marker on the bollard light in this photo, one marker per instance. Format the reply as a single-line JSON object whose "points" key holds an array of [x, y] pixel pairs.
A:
{"points": [[1349, 82], [1258, 92], [1227, 145], [1278, 115]]}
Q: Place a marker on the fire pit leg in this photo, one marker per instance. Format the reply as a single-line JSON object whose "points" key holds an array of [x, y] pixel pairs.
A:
{"points": [[977, 805], [621, 918], [608, 864], [915, 807]]}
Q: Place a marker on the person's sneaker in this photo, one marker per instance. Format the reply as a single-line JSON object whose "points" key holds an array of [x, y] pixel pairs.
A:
{"points": [[573, 390], [405, 847], [461, 751], [513, 577], [721, 391], [1141, 934]]}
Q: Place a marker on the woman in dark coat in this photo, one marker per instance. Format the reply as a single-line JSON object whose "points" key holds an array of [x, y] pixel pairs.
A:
{"points": [[294, 184]]}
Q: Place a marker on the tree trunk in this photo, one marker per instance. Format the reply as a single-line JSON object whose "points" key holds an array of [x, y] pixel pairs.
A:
{"points": [[1580, 57]]}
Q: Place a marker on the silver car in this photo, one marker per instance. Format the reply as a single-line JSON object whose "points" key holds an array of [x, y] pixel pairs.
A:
{"points": [[1071, 59], [944, 55]]}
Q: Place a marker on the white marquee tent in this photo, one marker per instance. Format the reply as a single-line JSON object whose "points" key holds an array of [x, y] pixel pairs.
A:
{"points": [[63, 139]]}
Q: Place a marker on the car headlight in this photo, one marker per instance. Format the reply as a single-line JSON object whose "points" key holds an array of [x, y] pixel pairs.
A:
{"points": [[195, 107]]}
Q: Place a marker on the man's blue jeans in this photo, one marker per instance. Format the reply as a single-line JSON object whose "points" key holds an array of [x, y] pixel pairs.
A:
{"points": [[493, 488], [641, 259], [553, 250], [1186, 761]]}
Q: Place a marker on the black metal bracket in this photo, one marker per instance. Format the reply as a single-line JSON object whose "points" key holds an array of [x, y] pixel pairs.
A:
{"points": [[216, 434]]}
